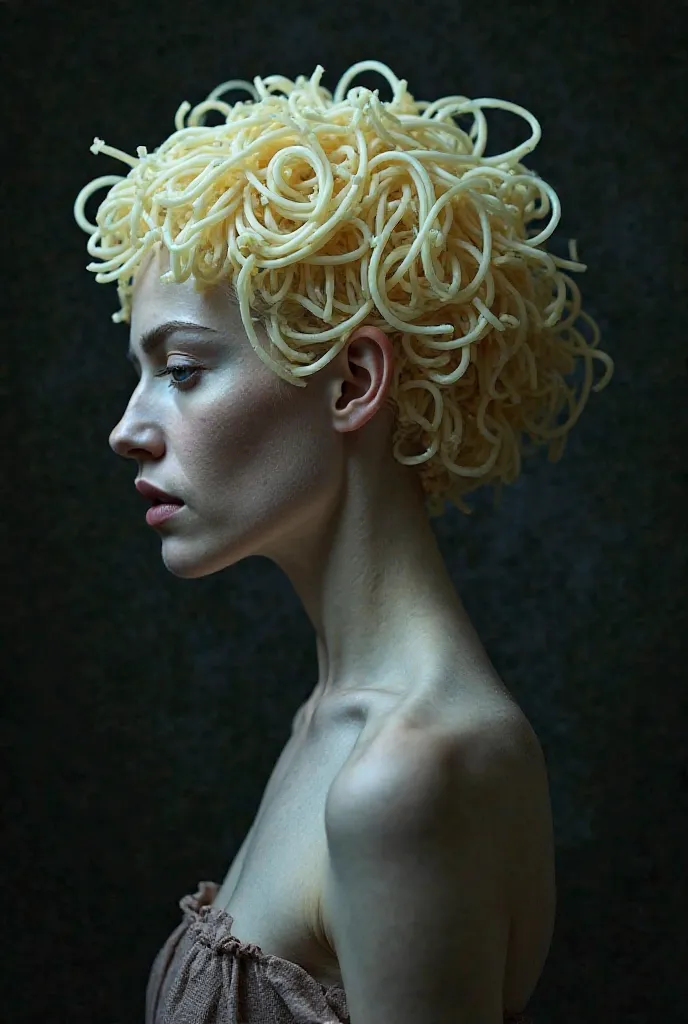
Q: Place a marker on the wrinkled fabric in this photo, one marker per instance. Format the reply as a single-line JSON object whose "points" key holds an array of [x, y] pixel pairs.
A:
{"points": [[204, 975]]}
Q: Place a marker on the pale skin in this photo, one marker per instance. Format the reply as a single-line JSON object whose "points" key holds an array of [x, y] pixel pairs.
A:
{"points": [[303, 476], [455, 789]]}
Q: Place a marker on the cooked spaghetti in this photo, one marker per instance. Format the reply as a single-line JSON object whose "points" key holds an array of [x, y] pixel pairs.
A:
{"points": [[326, 211]]}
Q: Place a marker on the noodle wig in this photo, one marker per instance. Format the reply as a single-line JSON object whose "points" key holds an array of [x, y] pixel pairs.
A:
{"points": [[324, 211]]}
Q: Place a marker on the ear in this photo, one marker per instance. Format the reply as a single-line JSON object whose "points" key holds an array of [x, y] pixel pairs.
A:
{"points": [[363, 374]]}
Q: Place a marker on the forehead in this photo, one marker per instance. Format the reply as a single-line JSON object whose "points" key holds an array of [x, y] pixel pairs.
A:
{"points": [[155, 302]]}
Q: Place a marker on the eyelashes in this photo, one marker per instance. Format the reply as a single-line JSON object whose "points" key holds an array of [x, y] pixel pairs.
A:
{"points": [[180, 367]]}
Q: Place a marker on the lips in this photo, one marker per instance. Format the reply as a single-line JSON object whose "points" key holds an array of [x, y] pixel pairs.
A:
{"points": [[155, 495]]}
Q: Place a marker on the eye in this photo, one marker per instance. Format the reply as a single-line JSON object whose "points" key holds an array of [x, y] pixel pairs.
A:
{"points": [[180, 368]]}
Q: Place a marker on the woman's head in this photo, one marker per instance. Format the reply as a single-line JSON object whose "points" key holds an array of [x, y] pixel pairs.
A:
{"points": [[259, 464], [325, 213]]}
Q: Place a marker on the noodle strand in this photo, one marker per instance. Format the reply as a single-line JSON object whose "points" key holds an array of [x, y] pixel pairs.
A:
{"points": [[327, 210]]}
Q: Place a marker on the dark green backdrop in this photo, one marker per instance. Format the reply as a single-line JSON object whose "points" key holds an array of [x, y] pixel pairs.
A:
{"points": [[143, 713]]}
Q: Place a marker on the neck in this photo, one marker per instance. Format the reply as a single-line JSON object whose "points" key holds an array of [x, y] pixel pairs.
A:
{"points": [[374, 585]]}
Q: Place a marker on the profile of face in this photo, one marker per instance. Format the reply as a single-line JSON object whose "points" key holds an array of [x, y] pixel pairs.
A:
{"points": [[257, 461]]}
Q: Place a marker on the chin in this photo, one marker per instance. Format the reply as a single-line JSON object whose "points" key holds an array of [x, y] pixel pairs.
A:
{"points": [[185, 571], [182, 561]]}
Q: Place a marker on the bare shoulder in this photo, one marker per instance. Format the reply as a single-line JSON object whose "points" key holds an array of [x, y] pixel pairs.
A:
{"points": [[493, 748], [432, 818], [491, 765]]}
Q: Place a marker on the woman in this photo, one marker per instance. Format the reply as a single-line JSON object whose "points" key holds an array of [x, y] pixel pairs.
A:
{"points": [[400, 867]]}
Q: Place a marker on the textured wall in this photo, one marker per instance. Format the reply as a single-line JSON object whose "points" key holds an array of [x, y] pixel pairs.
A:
{"points": [[145, 712]]}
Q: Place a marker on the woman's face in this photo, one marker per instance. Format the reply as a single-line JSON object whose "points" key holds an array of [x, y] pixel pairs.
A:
{"points": [[253, 458]]}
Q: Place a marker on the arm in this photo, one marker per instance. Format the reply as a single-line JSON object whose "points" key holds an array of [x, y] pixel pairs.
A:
{"points": [[416, 901]]}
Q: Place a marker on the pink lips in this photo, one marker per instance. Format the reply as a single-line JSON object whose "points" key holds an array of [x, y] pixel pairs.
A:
{"points": [[155, 494], [166, 505], [159, 513]]}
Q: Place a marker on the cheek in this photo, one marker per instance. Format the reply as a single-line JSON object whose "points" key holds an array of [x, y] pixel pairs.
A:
{"points": [[258, 452], [291, 451], [303, 457]]}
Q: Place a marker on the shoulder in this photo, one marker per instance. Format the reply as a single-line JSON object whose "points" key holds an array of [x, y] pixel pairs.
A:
{"points": [[421, 837], [480, 791], [493, 752]]}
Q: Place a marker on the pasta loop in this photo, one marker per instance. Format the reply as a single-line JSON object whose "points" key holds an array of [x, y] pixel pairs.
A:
{"points": [[328, 210]]}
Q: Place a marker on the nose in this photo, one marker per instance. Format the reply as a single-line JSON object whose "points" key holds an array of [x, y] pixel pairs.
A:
{"points": [[133, 437]]}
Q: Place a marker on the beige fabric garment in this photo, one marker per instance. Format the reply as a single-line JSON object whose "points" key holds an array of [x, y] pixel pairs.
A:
{"points": [[203, 975]]}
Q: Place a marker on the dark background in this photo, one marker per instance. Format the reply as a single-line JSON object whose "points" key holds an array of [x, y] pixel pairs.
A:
{"points": [[143, 713]]}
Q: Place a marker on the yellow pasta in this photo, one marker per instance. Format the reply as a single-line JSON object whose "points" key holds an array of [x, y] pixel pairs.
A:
{"points": [[328, 210]]}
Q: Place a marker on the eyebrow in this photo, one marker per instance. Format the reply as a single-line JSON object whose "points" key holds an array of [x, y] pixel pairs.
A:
{"points": [[157, 336]]}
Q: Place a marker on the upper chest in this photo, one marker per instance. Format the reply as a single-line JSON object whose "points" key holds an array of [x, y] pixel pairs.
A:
{"points": [[273, 888]]}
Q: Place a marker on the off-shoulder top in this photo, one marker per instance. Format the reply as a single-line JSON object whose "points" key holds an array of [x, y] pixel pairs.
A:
{"points": [[204, 975]]}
